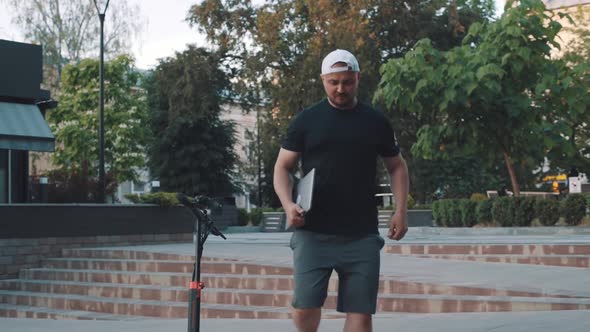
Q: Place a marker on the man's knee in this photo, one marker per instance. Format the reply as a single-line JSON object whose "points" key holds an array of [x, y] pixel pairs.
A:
{"points": [[307, 319], [358, 322]]}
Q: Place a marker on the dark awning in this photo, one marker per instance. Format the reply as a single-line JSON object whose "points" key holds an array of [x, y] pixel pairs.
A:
{"points": [[22, 127]]}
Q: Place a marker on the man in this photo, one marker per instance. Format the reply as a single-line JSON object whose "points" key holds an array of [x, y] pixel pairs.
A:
{"points": [[341, 138]]}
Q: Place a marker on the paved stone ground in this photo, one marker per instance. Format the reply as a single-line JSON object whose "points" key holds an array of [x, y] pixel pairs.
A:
{"points": [[566, 321], [273, 248]]}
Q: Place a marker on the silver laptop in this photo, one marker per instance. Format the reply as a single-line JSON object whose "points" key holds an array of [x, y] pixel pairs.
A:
{"points": [[304, 191]]}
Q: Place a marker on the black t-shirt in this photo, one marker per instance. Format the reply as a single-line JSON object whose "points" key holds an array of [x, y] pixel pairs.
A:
{"points": [[343, 146]]}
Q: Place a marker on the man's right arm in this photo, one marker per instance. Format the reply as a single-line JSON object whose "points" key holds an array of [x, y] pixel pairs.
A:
{"points": [[286, 162]]}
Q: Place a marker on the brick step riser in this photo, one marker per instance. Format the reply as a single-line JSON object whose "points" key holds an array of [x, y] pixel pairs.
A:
{"points": [[134, 309], [261, 283], [384, 305], [115, 278], [583, 262], [511, 249], [175, 267], [122, 254]]}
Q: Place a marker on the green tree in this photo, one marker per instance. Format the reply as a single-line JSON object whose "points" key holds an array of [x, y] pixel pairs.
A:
{"points": [[191, 150], [274, 51], [570, 98], [484, 97], [75, 121]]}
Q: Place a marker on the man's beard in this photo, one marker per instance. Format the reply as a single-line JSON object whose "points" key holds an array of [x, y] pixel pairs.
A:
{"points": [[345, 101]]}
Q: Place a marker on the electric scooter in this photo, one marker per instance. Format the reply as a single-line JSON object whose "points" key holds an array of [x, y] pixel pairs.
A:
{"points": [[203, 226]]}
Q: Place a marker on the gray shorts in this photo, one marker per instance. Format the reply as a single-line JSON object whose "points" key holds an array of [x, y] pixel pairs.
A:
{"points": [[355, 259]]}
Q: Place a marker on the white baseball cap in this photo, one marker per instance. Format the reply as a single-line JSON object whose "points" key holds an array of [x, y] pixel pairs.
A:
{"points": [[339, 56]]}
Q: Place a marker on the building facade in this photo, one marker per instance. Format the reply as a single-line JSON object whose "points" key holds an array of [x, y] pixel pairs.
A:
{"points": [[22, 109]]}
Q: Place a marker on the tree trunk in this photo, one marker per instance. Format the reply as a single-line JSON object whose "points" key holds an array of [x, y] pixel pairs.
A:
{"points": [[512, 172]]}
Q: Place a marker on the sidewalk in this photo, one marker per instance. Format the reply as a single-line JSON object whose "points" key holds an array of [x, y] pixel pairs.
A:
{"points": [[566, 321]]}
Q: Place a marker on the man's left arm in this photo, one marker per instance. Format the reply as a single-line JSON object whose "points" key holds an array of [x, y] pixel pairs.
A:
{"points": [[400, 183]]}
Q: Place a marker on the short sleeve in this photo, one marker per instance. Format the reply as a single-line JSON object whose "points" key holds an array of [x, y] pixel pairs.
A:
{"points": [[294, 140], [388, 145]]}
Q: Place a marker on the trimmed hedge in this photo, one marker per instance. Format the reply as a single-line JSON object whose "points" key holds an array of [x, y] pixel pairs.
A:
{"points": [[503, 211], [454, 213], [437, 213], [449, 212], [509, 211], [468, 216], [573, 209], [524, 211], [547, 210], [483, 212], [243, 217], [159, 198]]}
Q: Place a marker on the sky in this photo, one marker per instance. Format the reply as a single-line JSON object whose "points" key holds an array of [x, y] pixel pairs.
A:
{"points": [[165, 34]]}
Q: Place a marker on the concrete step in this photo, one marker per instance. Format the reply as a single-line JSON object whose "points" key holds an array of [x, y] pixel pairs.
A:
{"points": [[415, 303], [24, 311], [552, 260], [161, 309], [449, 304], [111, 290], [282, 298], [488, 249], [141, 265]]}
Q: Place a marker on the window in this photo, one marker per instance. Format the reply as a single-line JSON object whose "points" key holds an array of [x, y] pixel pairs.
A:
{"points": [[138, 187], [3, 176]]}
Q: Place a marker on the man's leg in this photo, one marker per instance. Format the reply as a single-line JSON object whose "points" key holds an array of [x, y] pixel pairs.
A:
{"points": [[358, 272], [356, 322], [312, 267], [307, 320]]}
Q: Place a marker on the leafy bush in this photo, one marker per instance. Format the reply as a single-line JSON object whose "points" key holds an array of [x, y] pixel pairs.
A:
{"points": [[437, 213], [445, 209], [547, 210], [422, 207], [467, 208], [478, 197], [160, 198], [524, 211], [573, 209], [587, 197], [134, 198], [388, 208], [483, 212], [243, 217], [411, 202], [454, 213], [503, 211]]}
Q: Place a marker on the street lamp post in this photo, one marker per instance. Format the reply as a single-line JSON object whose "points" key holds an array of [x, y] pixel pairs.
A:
{"points": [[101, 8]]}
